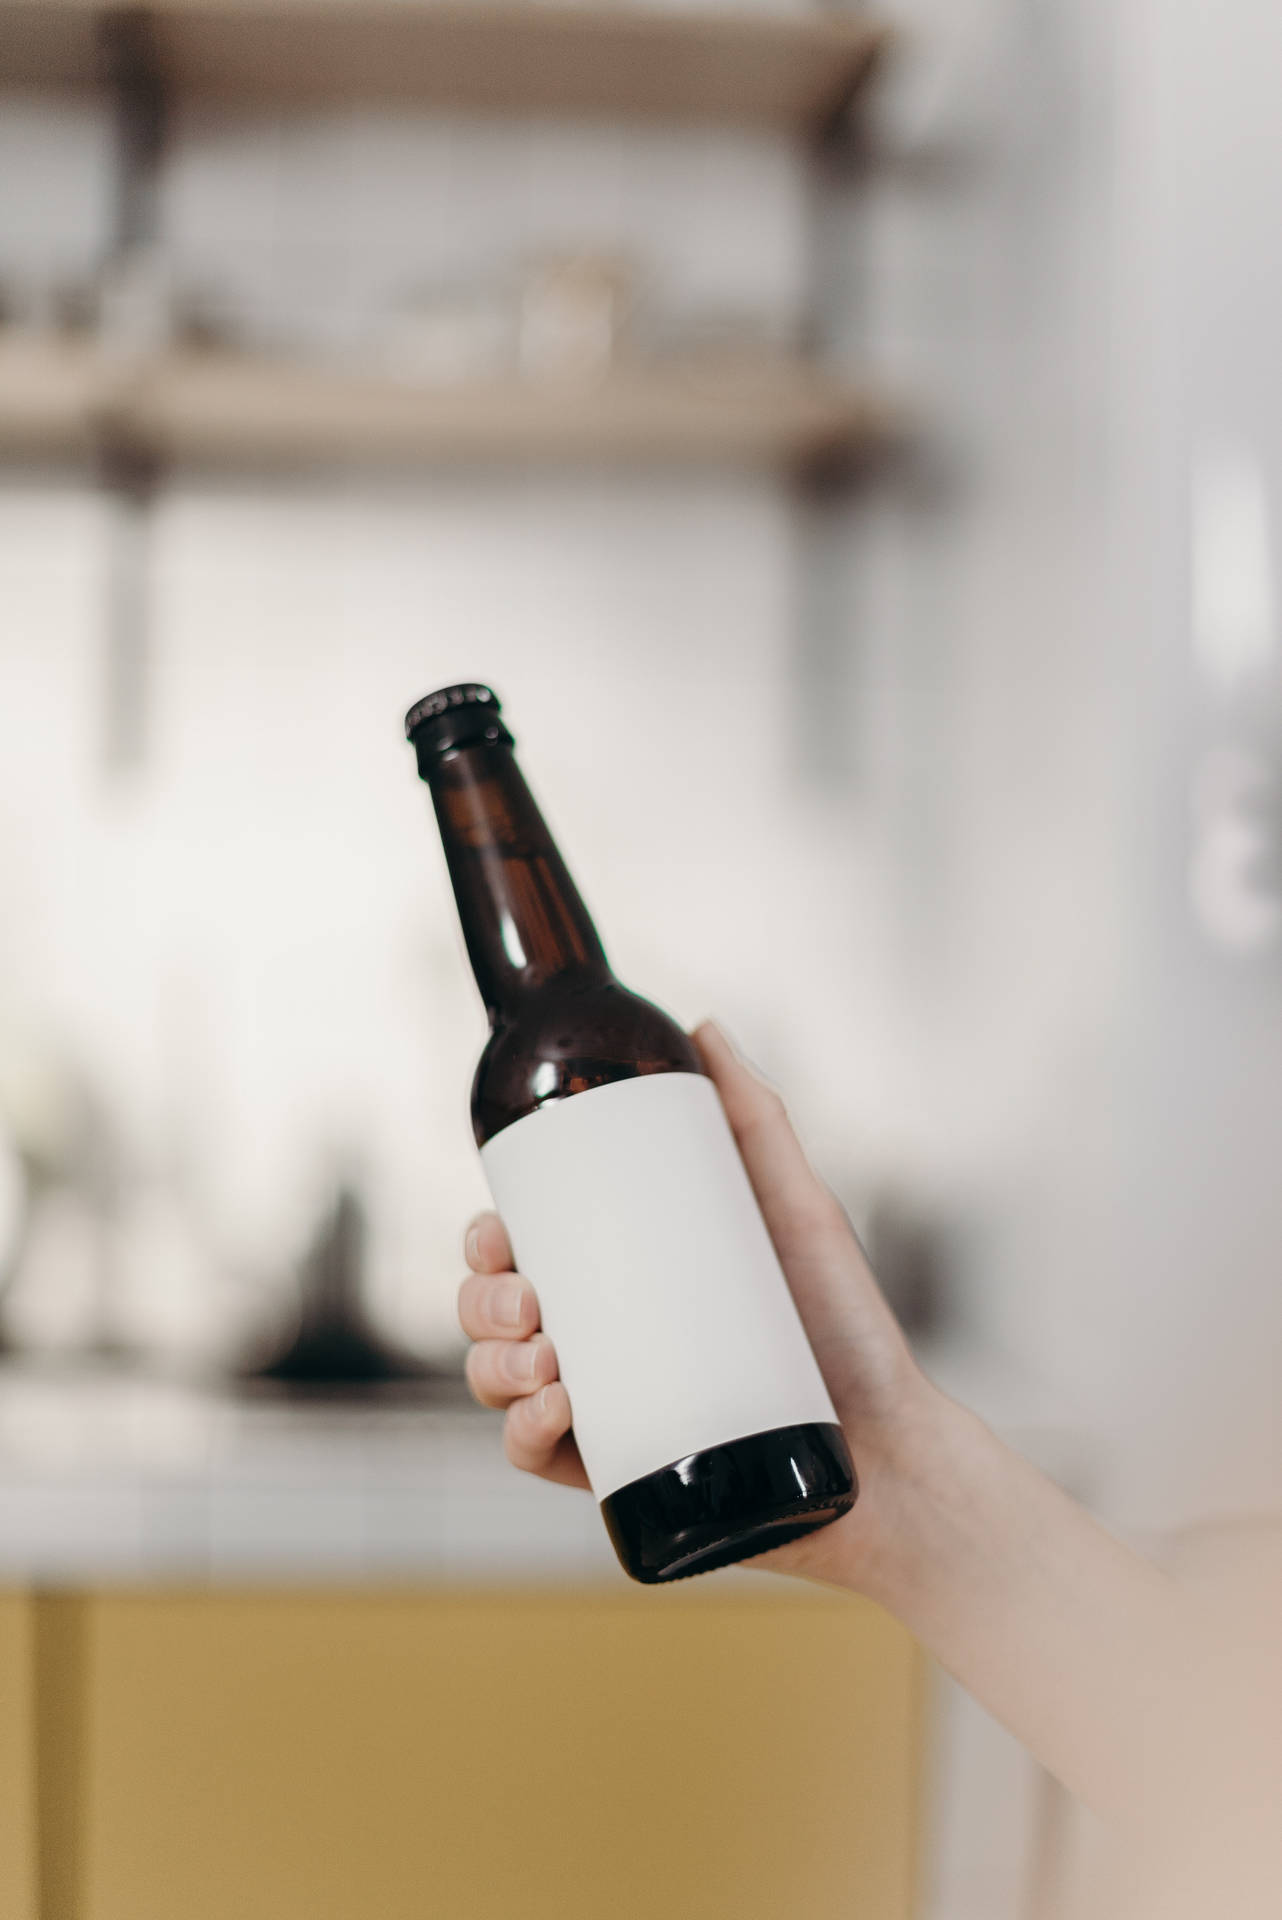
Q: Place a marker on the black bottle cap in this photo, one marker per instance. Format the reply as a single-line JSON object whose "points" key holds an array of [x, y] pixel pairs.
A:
{"points": [[461, 716]]}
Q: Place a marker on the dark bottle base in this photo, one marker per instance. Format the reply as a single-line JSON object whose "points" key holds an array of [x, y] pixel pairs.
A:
{"points": [[731, 1502]]}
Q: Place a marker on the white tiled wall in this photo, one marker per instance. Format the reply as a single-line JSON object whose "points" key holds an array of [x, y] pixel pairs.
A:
{"points": [[247, 944]]}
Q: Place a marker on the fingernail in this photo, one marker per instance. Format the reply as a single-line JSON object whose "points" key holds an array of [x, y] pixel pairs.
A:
{"points": [[543, 1403], [472, 1246], [506, 1303]]}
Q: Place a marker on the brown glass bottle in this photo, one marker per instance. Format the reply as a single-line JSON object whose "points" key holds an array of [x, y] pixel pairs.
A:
{"points": [[608, 1203]]}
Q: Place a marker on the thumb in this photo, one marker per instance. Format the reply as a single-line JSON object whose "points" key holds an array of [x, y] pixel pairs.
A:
{"points": [[856, 1338], [796, 1204]]}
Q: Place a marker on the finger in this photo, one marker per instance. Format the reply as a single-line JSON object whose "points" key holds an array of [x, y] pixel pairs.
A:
{"points": [[486, 1245], [499, 1306], [792, 1197], [537, 1437], [500, 1371]]}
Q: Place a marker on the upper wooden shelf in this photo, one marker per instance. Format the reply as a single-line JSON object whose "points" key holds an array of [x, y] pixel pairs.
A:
{"points": [[231, 411], [791, 73]]}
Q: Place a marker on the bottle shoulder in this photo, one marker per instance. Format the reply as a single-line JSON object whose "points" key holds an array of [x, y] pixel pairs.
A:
{"points": [[568, 1039]]}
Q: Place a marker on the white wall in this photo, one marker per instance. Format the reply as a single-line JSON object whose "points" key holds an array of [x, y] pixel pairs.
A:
{"points": [[1206, 1313], [1068, 247], [247, 943]]}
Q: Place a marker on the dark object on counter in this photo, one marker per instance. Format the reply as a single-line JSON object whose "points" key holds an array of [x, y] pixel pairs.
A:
{"points": [[908, 1252], [335, 1350]]}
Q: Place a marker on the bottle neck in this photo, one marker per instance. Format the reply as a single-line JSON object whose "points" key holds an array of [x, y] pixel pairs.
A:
{"points": [[523, 920]]}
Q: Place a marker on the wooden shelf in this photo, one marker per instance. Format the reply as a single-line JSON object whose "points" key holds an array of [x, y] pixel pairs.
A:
{"points": [[790, 73], [228, 411]]}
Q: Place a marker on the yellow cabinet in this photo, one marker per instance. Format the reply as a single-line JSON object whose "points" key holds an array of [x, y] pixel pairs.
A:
{"points": [[17, 1758], [708, 1754]]}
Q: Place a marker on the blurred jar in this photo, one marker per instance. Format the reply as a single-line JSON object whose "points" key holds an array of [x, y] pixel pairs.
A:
{"points": [[574, 316]]}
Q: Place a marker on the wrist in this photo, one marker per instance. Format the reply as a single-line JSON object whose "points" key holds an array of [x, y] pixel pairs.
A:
{"points": [[914, 1472]]}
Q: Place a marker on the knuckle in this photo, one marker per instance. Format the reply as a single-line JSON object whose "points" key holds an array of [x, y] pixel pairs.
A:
{"points": [[515, 1446], [483, 1371]]}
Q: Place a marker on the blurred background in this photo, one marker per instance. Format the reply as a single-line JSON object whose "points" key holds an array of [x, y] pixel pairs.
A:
{"points": [[849, 443]]}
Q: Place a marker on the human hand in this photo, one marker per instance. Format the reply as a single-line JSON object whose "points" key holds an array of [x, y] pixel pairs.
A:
{"points": [[876, 1388]]}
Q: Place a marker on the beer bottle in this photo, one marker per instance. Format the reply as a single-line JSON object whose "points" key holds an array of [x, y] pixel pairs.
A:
{"points": [[704, 1424]]}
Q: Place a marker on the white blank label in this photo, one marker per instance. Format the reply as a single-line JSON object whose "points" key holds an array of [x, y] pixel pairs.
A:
{"points": [[630, 1212]]}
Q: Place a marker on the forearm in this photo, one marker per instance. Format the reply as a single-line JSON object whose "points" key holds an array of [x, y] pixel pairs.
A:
{"points": [[1068, 1638]]}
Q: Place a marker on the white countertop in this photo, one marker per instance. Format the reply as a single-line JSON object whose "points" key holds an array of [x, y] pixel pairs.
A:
{"points": [[121, 1478]]}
